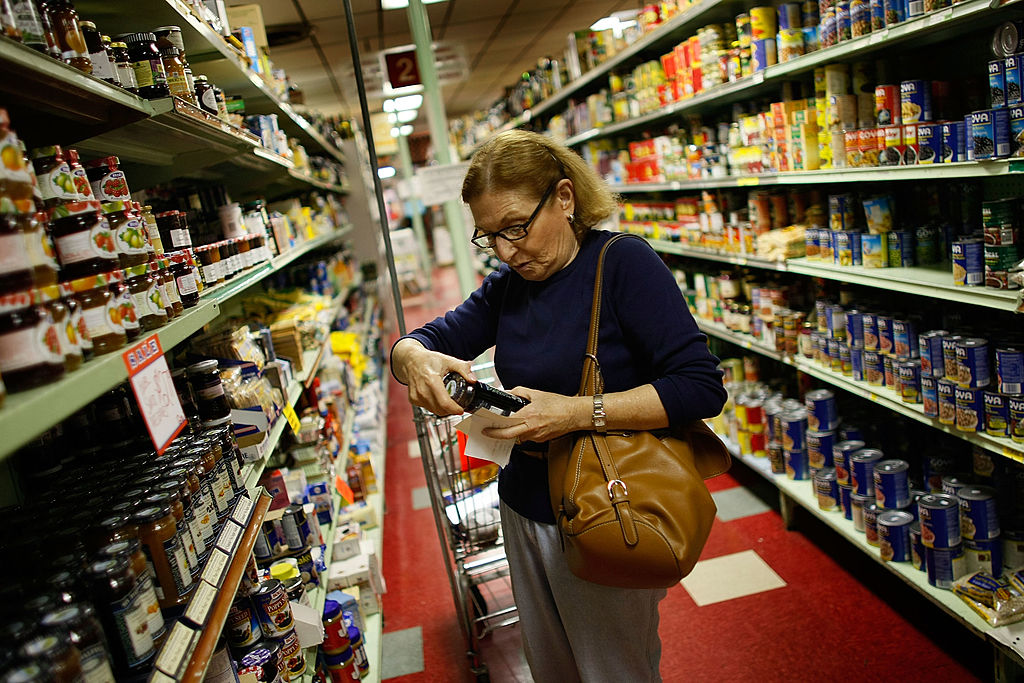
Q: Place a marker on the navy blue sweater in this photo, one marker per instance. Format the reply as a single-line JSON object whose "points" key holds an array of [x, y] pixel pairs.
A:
{"points": [[539, 331]]}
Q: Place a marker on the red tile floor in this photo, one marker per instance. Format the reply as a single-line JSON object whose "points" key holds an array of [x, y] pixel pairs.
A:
{"points": [[838, 616]]}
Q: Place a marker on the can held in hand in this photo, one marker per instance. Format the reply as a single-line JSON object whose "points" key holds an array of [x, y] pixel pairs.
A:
{"points": [[892, 484], [940, 520]]}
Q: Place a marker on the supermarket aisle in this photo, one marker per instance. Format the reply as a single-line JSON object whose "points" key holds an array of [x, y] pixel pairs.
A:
{"points": [[764, 603]]}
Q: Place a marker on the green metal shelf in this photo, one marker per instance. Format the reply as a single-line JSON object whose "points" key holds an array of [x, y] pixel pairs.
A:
{"points": [[665, 247], [883, 396]]}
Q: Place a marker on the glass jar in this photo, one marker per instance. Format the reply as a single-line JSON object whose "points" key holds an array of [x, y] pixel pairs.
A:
{"points": [[16, 272], [50, 297], [30, 352], [125, 305], [31, 25], [123, 66], [112, 585], [69, 35], [171, 287], [243, 252], [224, 486], [208, 479], [107, 180], [209, 260], [205, 95], [202, 500], [184, 279], [53, 175], [173, 227], [41, 254], [130, 548], [208, 389], [85, 633], [181, 478], [174, 65], [222, 103], [83, 240], [172, 499], [161, 542], [149, 304], [49, 32], [150, 77], [78, 176], [63, 657], [130, 234], [170, 35], [101, 65], [102, 318], [193, 264], [154, 231], [76, 321], [232, 454]]}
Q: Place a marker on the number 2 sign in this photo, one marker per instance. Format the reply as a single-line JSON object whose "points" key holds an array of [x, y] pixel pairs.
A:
{"points": [[403, 69]]}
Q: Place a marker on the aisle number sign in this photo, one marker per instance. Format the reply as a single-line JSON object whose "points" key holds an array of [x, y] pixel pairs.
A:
{"points": [[402, 69], [154, 391]]}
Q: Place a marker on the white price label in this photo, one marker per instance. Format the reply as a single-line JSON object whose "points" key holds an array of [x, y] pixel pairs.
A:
{"points": [[154, 391], [215, 567], [177, 649], [229, 536], [242, 511], [202, 602]]}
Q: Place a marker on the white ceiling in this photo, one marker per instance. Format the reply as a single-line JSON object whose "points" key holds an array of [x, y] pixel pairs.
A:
{"points": [[500, 39]]}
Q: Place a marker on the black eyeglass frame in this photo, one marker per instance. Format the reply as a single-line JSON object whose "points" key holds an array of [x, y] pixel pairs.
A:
{"points": [[525, 227]]}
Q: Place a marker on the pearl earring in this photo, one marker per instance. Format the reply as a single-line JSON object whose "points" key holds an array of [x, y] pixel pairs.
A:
{"points": [[570, 217]]}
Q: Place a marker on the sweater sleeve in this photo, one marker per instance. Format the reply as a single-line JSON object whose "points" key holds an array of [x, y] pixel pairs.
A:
{"points": [[659, 329]]}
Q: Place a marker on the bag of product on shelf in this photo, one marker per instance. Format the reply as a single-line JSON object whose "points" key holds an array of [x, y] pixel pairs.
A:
{"points": [[999, 601]]}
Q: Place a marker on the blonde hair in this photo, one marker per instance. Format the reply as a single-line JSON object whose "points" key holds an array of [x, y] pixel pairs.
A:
{"points": [[520, 160]]}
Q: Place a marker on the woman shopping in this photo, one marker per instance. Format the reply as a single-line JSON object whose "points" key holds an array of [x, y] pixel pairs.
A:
{"points": [[535, 203]]}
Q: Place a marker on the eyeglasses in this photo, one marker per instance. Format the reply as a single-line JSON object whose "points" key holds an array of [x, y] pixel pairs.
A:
{"points": [[513, 233]]}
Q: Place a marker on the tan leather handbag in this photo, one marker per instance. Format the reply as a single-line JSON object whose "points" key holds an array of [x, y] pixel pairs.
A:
{"points": [[632, 507]]}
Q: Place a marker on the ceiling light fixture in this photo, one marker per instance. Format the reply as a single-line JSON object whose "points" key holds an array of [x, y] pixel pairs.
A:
{"points": [[384, 172], [408, 102], [402, 4], [617, 22], [407, 116]]}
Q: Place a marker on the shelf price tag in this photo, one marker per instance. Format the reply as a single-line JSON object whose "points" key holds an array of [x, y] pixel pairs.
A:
{"points": [[177, 651], [154, 391], [749, 180], [293, 419], [1013, 454], [242, 511], [215, 567], [229, 537], [199, 606]]}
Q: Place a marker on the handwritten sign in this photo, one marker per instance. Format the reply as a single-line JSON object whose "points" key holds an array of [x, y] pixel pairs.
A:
{"points": [[154, 391]]}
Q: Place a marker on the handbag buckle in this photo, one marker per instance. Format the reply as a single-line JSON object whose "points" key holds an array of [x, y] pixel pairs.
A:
{"points": [[612, 484]]}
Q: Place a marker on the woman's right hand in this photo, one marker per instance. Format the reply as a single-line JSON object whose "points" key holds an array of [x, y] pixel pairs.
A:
{"points": [[423, 372]]}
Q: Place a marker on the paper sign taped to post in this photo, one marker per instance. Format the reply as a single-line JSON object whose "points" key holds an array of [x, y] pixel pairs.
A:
{"points": [[438, 184], [485, 447]]}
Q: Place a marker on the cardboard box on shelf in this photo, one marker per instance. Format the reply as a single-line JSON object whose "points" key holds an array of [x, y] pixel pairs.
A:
{"points": [[250, 16], [346, 541]]}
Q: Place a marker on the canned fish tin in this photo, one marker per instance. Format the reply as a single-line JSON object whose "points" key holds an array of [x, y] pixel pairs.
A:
{"points": [[944, 565], [970, 409], [900, 249], [885, 334], [821, 410], [908, 373], [972, 362], [997, 414], [776, 457], [871, 511], [984, 556], [841, 453], [874, 368], [947, 401], [979, 517], [996, 83], [953, 139], [929, 346], [819, 448], [869, 325], [243, 626], [796, 464], [857, 362], [1010, 370], [888, 111], [940, 520], [857, 504], [930, 396], [929, 143], [827, 489], [892, 486], [1016, 409], [968, 262], [990, 129], [862, 467], [951, 370], [915, 100], [272, 608], [916, 547], [894, 535]]}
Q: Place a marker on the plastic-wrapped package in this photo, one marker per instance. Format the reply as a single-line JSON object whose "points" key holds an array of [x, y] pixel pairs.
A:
{"points": [[999, 601]]}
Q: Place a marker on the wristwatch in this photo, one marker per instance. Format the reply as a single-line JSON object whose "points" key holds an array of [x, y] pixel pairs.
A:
{"points": [[599, 414]]}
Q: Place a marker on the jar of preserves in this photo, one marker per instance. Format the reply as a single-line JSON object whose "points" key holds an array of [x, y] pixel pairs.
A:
{"points": [[83, 240], [78, 176], [125, 307], [123, 66], [153, 229], [172, 499], [113, 588], [161, 542], [107, 180], [180, 478], [208, 389], [64, 658], [28, 20], [184, 279], [171, 287], [202, 496], [223, 483], [102, 66], [16, 272], [49, 32], [170, 35], [79, 622], [150, 77], [40, 248], [209, 259], [69, 35], [193, 264], [243, 253], [50, 297], [130, 548], [129, 233], [205, 95], [208, 478], [174, 65], [102, 317], [147, 298], [232, 454], [76, 321], [53, 176], [174, 231], [30, 351], [184, 391]]}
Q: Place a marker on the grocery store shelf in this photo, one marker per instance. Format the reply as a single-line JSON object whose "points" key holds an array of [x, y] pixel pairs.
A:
{"points": [[665, 247], [27, 414], [930, 282], [882, 396]]}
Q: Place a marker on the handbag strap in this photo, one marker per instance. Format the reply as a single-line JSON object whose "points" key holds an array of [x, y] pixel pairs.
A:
{"points": [[591, 381]]}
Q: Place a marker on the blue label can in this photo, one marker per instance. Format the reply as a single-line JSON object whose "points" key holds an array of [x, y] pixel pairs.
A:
{"points": [[996, 83], [944, 565], [908, 381], [845, 501], [850, 432], [929, 143], [930, 396], [933, 468], [869, 329], [821, 410], [789, 15], [970, 409], [835, 360], [947, 401], [874, 368], [904, 338], [877, 15], [763, 54], [894, 535], [855, 326], [796, 464], [901, 249], [819, 448], [990, 129], [841, 453], [827, 489], [1010, 370], [972, 362], [794, 429], [953, 482], [984, 556], [951, 370], [885, 340], [929, 347], [862, 468], [979, 518], [1012, 75], [916, 548], [871, 511], [940, 520], [1016, 406], [968, 263], [857, 362], [857, 504], [968, 139], [890, 371], [915, 99], [1017, 131], [836, 321], [953, 142], [892, 484], [997, 414]]}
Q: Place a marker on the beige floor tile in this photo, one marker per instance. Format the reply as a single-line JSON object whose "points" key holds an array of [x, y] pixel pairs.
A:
{"points": [[730, 576]]}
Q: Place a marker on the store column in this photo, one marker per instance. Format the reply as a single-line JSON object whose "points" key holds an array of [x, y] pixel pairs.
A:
{"points": [[419, 24]]}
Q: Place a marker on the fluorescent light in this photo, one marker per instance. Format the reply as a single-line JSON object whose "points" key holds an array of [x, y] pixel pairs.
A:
{"points": [[616, 22], [402, 4], [392, 118], [407, 116], [389, 106], [405, 130], [384, 172], [408, 102]]}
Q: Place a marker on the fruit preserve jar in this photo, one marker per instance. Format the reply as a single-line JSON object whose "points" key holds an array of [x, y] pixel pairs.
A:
{"points": [[83, 240], [146, 295], [30, 351], [101, 316]]}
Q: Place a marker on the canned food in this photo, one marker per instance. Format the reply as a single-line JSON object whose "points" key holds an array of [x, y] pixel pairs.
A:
{"points": [[944, 565], [990, 132], [900, 249], [892, 485], [972, 362], [929, 143], [796, 464], [930, 396], [894, 535], [1016, 409], [827, 489], [930, 351], [984, 556], [794, 428], [763, 22], [819, 448], [951, 369], [952, 483], [243, 626], [841, 453], [821, 410], [874, 368], [1013, 548], [874, 250], [940, 520], [953, 134], [908, 373], [888, 110], [835, 360], [970, 409], [763, 54], [947, 401], [845, 362], [871, 511], [292, 655], [869, 329], [273, 609], [1010, 370], [857, 362], [979, 518], [889, 372], [916, 548], [934, 467], [885, 334], [997, 414], [776, 458], [862, 466], [857, 504], [915, 98], [845, 502]]}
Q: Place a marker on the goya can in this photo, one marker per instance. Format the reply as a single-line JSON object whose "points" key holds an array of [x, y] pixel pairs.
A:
{"points": [[845, 360], [874, 368], [1010, 370], [915, 98], [821, 410], [916, 548], [243, 626], [997, 414], [796, 464], [970, 409], [862, 468], [901, 248], [933, 468], [841, 453], [827, 489], [1015, 407], [908, 374], [952, 483], [968, 262], [794, 429], [940, 520], [972, 362], [892, 484], [889, 371], [855, 326], [776, 457], [929, 396], [869, 328], [273, 609], [845, 502], [857, 504], [929, 347], [944, 565], [979, 518], [894, 536], [950, 367], [835, 359], [946, 390], [819, 448], [885, 339], [857, 362], [984, 556], [871, 511]]}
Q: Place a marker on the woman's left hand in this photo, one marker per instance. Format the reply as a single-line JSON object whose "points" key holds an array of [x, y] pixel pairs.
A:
{"points": [[547, 416]]}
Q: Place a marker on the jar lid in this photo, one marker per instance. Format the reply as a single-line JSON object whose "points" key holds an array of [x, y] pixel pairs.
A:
{"points": [[119, 548], [16, 301], [107, 566], [269, 586], [167, 214], [46, 294], [87, 24], [111, 522], [119, 44], [167, 498], [65, 617], [47, 646], [166, 29], [178, 257], [44, 152], [331, 609], [90, 282], [283, 571], [170, 51], [151, 513], [29, 672], [203, 366], [138, 37]]}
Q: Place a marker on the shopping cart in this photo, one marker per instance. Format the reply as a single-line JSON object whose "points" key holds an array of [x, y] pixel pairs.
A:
{"points": [[464, 499]]}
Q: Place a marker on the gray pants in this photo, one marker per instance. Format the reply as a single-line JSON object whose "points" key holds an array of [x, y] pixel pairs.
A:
{"points": [[574, 630]]}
